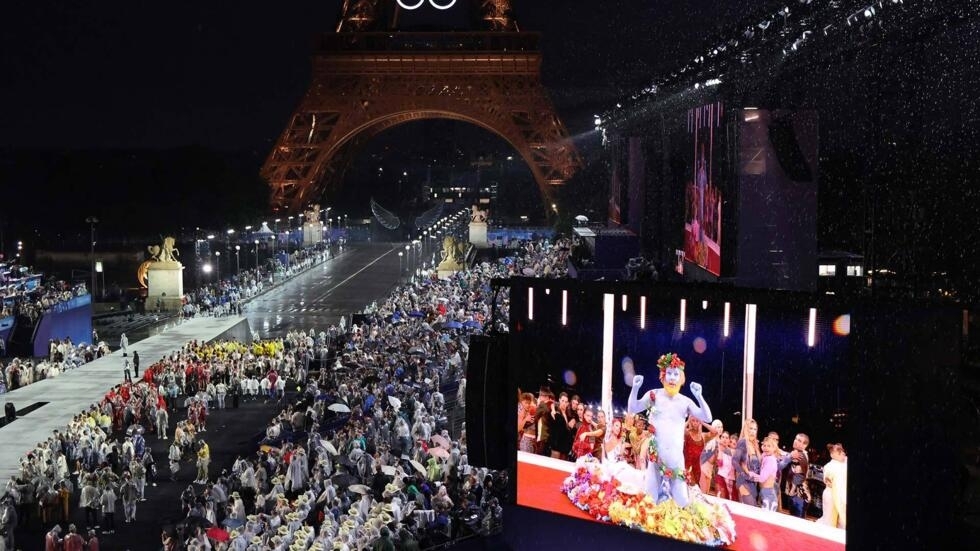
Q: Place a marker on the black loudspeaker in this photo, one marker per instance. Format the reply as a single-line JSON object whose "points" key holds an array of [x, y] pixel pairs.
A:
{"points": [[10, 412], [487, 439], [782, 136]]}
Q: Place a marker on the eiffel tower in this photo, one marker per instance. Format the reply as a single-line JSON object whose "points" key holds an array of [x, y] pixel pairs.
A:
{"points": [[368, 76]]}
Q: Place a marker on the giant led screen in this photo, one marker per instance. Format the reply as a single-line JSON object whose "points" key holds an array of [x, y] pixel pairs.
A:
{"points": [[703, 198], [720, 422]]}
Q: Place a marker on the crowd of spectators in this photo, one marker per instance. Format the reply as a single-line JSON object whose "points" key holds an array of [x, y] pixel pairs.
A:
{"points": [[228, 296], [368, 455], [64, 355], [369, 452], [18, 297]]}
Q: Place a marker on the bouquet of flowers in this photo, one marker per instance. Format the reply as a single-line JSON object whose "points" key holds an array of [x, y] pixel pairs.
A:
{"points": [[606, 499], [590, 490]]}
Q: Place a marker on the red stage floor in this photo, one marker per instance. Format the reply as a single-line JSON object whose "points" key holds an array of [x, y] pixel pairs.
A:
{"points": [[538, 487]]}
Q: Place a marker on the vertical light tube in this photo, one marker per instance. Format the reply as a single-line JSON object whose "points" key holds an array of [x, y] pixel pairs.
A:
{"points": [[530, 303], [811, 328], [704, 305], [624, 303], [683, 314], [643, 312], [608, 311], [564, 307], [726, 324], [748, 362]]}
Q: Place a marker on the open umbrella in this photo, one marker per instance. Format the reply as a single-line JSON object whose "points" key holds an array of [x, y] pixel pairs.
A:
{"points": [[218, 534], [416, 351], [329, 447], [441, 441], [441, 453], [472, 324], [343, 480], [389, 470], [418, 466], [359, 489], [232, 523], [339, 408], [452, 324], [195, 520], [395, 402], [416, 314]]}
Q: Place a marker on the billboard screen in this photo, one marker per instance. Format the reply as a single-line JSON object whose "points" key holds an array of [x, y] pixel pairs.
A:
{"points": [[703, 200], [704, 420]]}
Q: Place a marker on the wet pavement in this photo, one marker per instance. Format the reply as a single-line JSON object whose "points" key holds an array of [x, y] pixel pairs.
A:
{"points": [[345, 284]]}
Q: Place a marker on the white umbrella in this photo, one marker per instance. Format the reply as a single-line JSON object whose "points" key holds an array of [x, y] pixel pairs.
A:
{"points": [[339, 408], [329, 447], [388, 470], [359, 489], [395, 402], [418, 466], [441, 441]]}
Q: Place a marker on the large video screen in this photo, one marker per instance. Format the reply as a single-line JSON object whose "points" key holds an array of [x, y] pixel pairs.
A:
{"points": [[719, 422], [703, 200]]}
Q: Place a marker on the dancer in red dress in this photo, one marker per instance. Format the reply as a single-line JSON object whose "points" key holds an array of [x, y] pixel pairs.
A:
{"points": [[693, 446]]}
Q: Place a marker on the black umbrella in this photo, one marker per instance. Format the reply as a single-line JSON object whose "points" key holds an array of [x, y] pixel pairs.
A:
{"points": [[343, 480], [345, 462], [194, 521]]}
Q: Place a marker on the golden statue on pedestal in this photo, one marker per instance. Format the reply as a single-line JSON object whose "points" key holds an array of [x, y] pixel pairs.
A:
{"points": [[165, 252], [453, 254]]}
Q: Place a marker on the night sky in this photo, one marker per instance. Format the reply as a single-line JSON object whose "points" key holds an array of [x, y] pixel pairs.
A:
{"points": [[194, 77], [227, 75]]}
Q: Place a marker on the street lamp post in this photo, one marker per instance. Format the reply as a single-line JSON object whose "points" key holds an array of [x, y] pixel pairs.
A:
{"points": [[256, 254], [217, 267], [399, 264], [408, 258], [92, 221], [274, 249], [238, 265]]}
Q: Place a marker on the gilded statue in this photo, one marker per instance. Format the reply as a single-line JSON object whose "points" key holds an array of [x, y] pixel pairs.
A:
{"points": [[164, 252], [453, 253]]}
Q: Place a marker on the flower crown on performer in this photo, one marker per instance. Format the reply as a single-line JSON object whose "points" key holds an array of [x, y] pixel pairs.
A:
{"points": [[670, 360]]}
